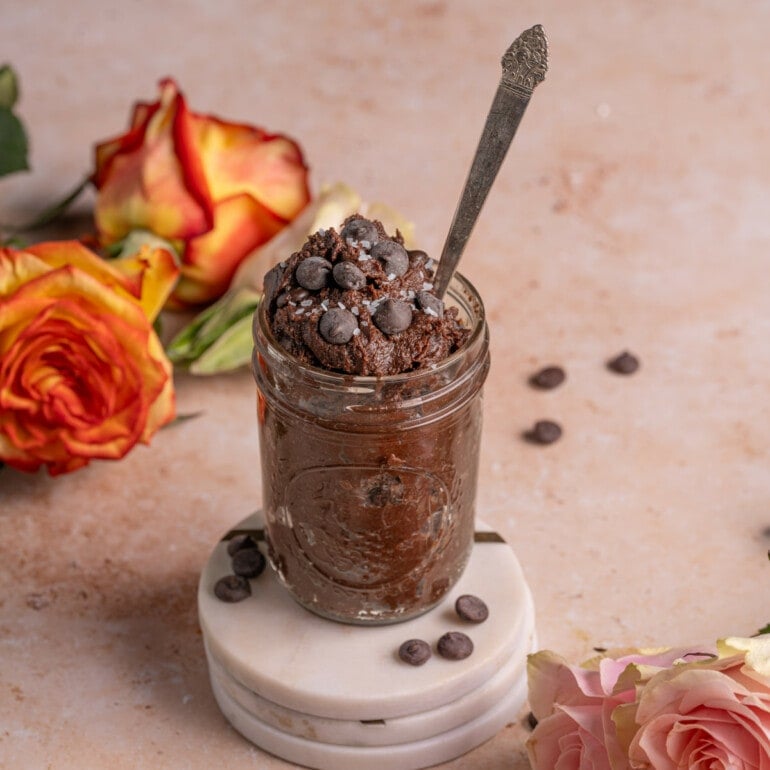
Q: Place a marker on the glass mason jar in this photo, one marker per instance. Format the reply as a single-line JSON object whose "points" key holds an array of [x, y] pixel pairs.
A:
{"points": [[369, 483]]}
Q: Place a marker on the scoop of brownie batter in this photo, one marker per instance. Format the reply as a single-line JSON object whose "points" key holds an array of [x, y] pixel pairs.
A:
{"points": [[356, 301]]}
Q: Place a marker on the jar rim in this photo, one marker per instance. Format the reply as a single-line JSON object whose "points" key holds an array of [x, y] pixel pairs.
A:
{"points": [[460, 289]]}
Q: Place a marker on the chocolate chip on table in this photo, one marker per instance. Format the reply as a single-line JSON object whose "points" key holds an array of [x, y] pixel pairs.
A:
{"points": [[248, 563], [347, 276], [430, 303], [232, 588], [414, 652], [313, 273], [454, 645], [240, 541], [392, 316], [548, 378], [625, 363], [337, 326], [544, 432], [471, 608], [395, 260], [361, 230]]}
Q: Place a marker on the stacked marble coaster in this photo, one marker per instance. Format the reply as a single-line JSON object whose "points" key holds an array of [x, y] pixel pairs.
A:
{"points": [[337, 697]]}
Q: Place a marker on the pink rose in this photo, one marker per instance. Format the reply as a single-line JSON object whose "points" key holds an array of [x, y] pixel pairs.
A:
{"points": [[712, 716], [575, 706]]}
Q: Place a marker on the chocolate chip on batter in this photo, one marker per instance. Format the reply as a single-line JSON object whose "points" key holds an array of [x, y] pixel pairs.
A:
{"points": [[418, 255], [240, 541], [337, 326], [395, 260], [625, 363], [248, 562], [232, 588], [347, 276], [313, 273], [454, 645], [360, 230], [471, 608], [430, 303], [544, 432], [548, 378], [414, 652], [392, 316]]}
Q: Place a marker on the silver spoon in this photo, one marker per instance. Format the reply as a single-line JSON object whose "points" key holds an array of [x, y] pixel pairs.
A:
{"points": [[524, 66]]}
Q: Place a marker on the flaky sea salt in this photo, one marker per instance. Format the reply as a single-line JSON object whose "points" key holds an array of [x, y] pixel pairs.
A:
{"points": [[430, 311], [364, 257], [366, 244], [429, 264], [427, 286], [299, 311], [391, 276], [356, 332], [306, 302], [354, 310], [341, 306]]}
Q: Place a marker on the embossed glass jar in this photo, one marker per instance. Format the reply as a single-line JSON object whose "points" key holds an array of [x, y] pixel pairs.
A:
{"points": [[369, 483]]}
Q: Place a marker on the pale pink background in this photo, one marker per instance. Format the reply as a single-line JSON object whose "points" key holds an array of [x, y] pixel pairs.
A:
{"points": [[632, 211]]}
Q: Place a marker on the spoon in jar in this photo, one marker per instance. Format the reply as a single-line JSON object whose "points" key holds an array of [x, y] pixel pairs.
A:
{"points": [[524, 66]]}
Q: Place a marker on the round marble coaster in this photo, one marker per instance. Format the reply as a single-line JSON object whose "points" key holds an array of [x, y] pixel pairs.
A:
{"points": [[320, 693]]}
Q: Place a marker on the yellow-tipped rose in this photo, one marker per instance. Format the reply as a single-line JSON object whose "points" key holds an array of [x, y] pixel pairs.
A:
{"points": [[82, 373], [216, 190]]}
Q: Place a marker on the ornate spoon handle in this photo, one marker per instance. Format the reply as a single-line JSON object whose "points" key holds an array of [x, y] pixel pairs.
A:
{"points": [[524, 66]]}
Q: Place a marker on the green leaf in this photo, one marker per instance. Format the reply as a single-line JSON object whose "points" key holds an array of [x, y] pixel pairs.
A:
{"points": [[180, 418], [52, 213], [9, 87], [211, 324], [133, 242], [13, 143], [231, 351], [764, 630]]}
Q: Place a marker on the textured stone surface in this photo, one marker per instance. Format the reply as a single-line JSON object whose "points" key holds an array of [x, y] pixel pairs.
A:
{"points": [[631, 212]]}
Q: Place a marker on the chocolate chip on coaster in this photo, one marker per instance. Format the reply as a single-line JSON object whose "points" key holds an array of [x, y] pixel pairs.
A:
{"points": [[240, 541], [625, 363], [392, 316], [471, 608], [313, 273], [454, 645], [232, 588], [414, 652], [337, 326], [248, 562], [544, 432], [548, 378]]}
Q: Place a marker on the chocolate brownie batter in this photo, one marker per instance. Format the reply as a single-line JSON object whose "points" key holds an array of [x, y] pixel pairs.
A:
{"points": [[368, 487], [356, 301]]}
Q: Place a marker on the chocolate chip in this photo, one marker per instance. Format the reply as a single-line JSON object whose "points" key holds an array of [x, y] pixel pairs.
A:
{"points": [[361, 230], [240, 541], [313, 273], [471, 608], [395, 260], [248, 562], [271, 283], [430, 303], [548, 378], [347, 276], [625, 363], [232, 588], [283, 299], [392, 316], [454, 645], [337, 326], [544, 432], [414, 652]]}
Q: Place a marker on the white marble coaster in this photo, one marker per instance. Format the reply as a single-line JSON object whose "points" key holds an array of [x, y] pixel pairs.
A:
{"points": [[331, 695]]}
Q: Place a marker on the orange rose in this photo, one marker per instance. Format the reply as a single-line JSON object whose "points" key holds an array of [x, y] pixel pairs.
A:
{"points": [[216, 190], [82, 373]]}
